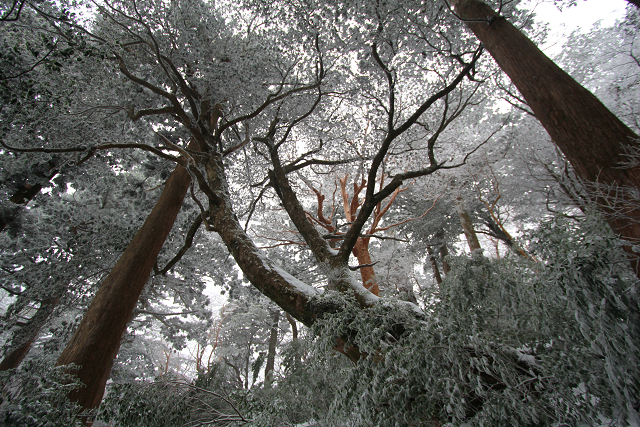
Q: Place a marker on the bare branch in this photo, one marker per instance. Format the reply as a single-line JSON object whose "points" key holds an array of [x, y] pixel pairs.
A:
{"points": [[150, 112], [172, 98], [358, 267], [197, 222], [7, 18], [390, 82], [34, 65], [155, 313], [91, 149]]}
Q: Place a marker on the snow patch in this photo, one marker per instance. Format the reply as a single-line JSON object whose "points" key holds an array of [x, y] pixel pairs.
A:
{"points": [[297, 284]]}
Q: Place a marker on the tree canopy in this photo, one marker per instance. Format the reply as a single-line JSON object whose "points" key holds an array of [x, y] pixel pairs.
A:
{"points": [[413, 215]]}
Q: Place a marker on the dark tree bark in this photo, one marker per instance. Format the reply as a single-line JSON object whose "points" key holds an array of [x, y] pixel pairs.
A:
{"points": [[96, 342], [293, 296], [434, 265], [294, 327], [271, 354], [26, 192], [444, 252], [22, 339], [593, 139]]}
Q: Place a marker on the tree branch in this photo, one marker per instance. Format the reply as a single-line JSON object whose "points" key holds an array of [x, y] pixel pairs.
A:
{"points": [[91, 149], [197, 222]]}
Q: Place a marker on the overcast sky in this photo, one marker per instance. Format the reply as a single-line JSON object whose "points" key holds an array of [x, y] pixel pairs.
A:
{"points": [[582, 16]]}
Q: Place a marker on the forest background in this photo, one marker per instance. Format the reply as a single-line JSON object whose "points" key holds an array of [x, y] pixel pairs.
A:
{"points": [[317, 163]]}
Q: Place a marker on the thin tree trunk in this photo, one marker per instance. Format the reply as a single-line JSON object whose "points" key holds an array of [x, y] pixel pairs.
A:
{"points": [[444, 252], [22, 339], [294, 327], [294, 339], [434, 265], [96, 342], [271, 354], [593, 139], [467, 225]]}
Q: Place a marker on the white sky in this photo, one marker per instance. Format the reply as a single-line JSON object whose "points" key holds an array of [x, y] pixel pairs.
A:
{"points": [[582, 16]]}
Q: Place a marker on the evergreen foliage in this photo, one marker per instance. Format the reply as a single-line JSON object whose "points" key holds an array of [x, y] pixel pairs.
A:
{"points": [[35, 395], [267, 106]]}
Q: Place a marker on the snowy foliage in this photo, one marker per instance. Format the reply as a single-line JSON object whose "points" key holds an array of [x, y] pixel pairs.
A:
{"points": [[35, 396], [95, 110]]}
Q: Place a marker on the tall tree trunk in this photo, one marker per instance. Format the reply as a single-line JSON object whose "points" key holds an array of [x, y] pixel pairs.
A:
{"points": [[467, 225], [22, 339], [593, 139], [96, 342], [271, 354]]}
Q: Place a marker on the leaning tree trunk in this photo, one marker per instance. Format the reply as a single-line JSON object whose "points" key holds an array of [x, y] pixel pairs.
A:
{"points": [[593, 139], [96, 342], [22, 339]]}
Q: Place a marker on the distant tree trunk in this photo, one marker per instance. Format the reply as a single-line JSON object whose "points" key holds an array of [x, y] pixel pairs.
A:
{"points": [[498, 231], [23, 339], [593, 139], [271, 354], [467, 225], [26, 192], [434, 265], [21, 197], [444, 252], [96, 342], [294, 339]]}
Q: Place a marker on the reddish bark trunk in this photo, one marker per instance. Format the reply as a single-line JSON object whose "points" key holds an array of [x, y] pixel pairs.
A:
{"points": [[593, 139], [368, 275], [96, 342]]}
